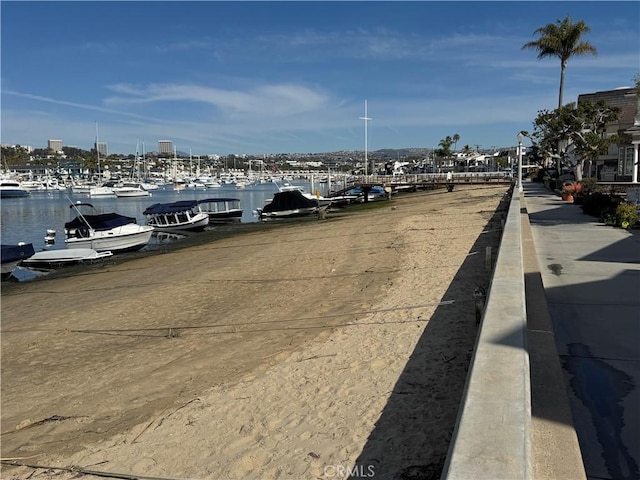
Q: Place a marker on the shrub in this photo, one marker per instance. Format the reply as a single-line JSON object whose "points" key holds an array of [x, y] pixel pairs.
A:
{"points": [[626, 215], [538, 175], [571, 188], [598, 205], [588, 185]]}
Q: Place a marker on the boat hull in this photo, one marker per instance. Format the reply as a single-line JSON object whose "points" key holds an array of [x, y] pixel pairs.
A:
{"points": [[176, 216], [298, 212], [13, 190], [225, 216], [101, 191], [126, 238], [168, 223], [289, 203], [12, 255], [60, 258], [131, 193], [14, 193], [221, 209]]}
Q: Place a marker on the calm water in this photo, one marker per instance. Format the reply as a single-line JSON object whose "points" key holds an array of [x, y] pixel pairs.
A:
{"points": [[27, 219]]}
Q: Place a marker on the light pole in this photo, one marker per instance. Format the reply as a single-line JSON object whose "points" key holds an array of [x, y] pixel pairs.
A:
{"points": [[520, 137]]}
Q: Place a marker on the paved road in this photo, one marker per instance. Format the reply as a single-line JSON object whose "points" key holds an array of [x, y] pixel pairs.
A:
{"points": [[591, 277]]}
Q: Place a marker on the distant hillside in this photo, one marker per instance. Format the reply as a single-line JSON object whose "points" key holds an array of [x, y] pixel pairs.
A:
{"points": [[404, 152]]}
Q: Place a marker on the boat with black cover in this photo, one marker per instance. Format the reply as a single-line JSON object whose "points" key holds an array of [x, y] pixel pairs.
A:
{"points": [[289, 203], [105, 231]]}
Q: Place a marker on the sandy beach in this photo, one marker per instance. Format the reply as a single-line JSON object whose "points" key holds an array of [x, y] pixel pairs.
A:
{"points": [[307, 350]]}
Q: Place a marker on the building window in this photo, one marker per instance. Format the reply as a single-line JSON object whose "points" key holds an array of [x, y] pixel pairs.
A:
{"points": [[625, 161]]}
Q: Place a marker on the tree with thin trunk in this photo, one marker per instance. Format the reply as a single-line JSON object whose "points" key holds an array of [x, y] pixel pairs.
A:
{"points": [[563, 40], [456, 139]]}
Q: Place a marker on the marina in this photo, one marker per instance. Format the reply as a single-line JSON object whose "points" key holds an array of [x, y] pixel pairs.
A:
{"points": [[31, 219]]}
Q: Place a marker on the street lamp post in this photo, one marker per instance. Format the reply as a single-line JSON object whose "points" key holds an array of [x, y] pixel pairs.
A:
{"points": [[520, 137]]}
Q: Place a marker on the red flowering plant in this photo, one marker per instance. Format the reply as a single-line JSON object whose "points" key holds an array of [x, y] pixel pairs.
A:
{"points": [[571, 188]]}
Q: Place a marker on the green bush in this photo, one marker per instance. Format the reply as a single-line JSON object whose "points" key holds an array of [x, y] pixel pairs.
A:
{"points": [[626, 215], [588, 185], [599, 205]]}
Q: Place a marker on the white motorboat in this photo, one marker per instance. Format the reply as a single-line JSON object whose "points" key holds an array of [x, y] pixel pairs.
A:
{"points": [[12, 188], [131, 190], [100, 191], [33, 185], [105, 231], [210, 182], [67, 256], [182, 215], [148, 186]]}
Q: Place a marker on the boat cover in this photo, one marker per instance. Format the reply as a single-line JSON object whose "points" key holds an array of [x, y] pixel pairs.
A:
{"points": [[11, 253], [289, 200], [175, 207], [101, 221]]}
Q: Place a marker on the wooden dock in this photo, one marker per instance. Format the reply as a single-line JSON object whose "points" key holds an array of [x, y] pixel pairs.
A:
{"points": [[426, 181]]}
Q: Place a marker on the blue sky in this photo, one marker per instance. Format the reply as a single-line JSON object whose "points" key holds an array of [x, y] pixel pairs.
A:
{"points": [[275, 77]]}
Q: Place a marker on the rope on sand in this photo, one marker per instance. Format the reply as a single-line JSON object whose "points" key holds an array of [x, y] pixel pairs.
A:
{"points": [[85, 471]]}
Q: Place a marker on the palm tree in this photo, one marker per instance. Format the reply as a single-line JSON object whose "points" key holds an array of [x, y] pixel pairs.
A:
{"points": [[563, 40], [456, 139], [445, 144]]}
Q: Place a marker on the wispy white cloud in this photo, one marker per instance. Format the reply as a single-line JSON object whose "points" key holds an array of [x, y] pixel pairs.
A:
{"points": [[189, 45], [413, 120], [83, 106], [271, 100]]}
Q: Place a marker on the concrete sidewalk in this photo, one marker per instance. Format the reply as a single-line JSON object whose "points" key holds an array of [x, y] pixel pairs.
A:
{"points": [[590, 274]]}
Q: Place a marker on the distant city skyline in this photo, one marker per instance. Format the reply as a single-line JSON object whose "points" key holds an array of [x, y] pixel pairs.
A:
{"points": [[293, 77]]}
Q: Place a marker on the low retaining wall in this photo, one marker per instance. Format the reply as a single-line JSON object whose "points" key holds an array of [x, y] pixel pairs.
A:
{"points": [[492, 435]]}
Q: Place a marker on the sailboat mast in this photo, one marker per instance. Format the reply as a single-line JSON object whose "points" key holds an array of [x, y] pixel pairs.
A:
{"points": [[97, 150], [144, 164], [134, 170]]}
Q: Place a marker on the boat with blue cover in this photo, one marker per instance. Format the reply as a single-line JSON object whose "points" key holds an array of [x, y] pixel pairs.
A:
{"points": [[181, 215], [12, 255]]}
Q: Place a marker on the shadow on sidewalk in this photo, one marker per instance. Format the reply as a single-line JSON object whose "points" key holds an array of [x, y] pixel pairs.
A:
{"points": [[597, 334]]}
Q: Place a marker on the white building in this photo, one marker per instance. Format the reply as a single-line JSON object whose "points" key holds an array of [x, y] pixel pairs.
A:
{"points": [[101, 148], [165, 147], [55, 145]]}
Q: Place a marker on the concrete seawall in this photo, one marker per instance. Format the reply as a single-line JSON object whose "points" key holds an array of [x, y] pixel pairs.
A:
{"points": [[492, 438]]}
